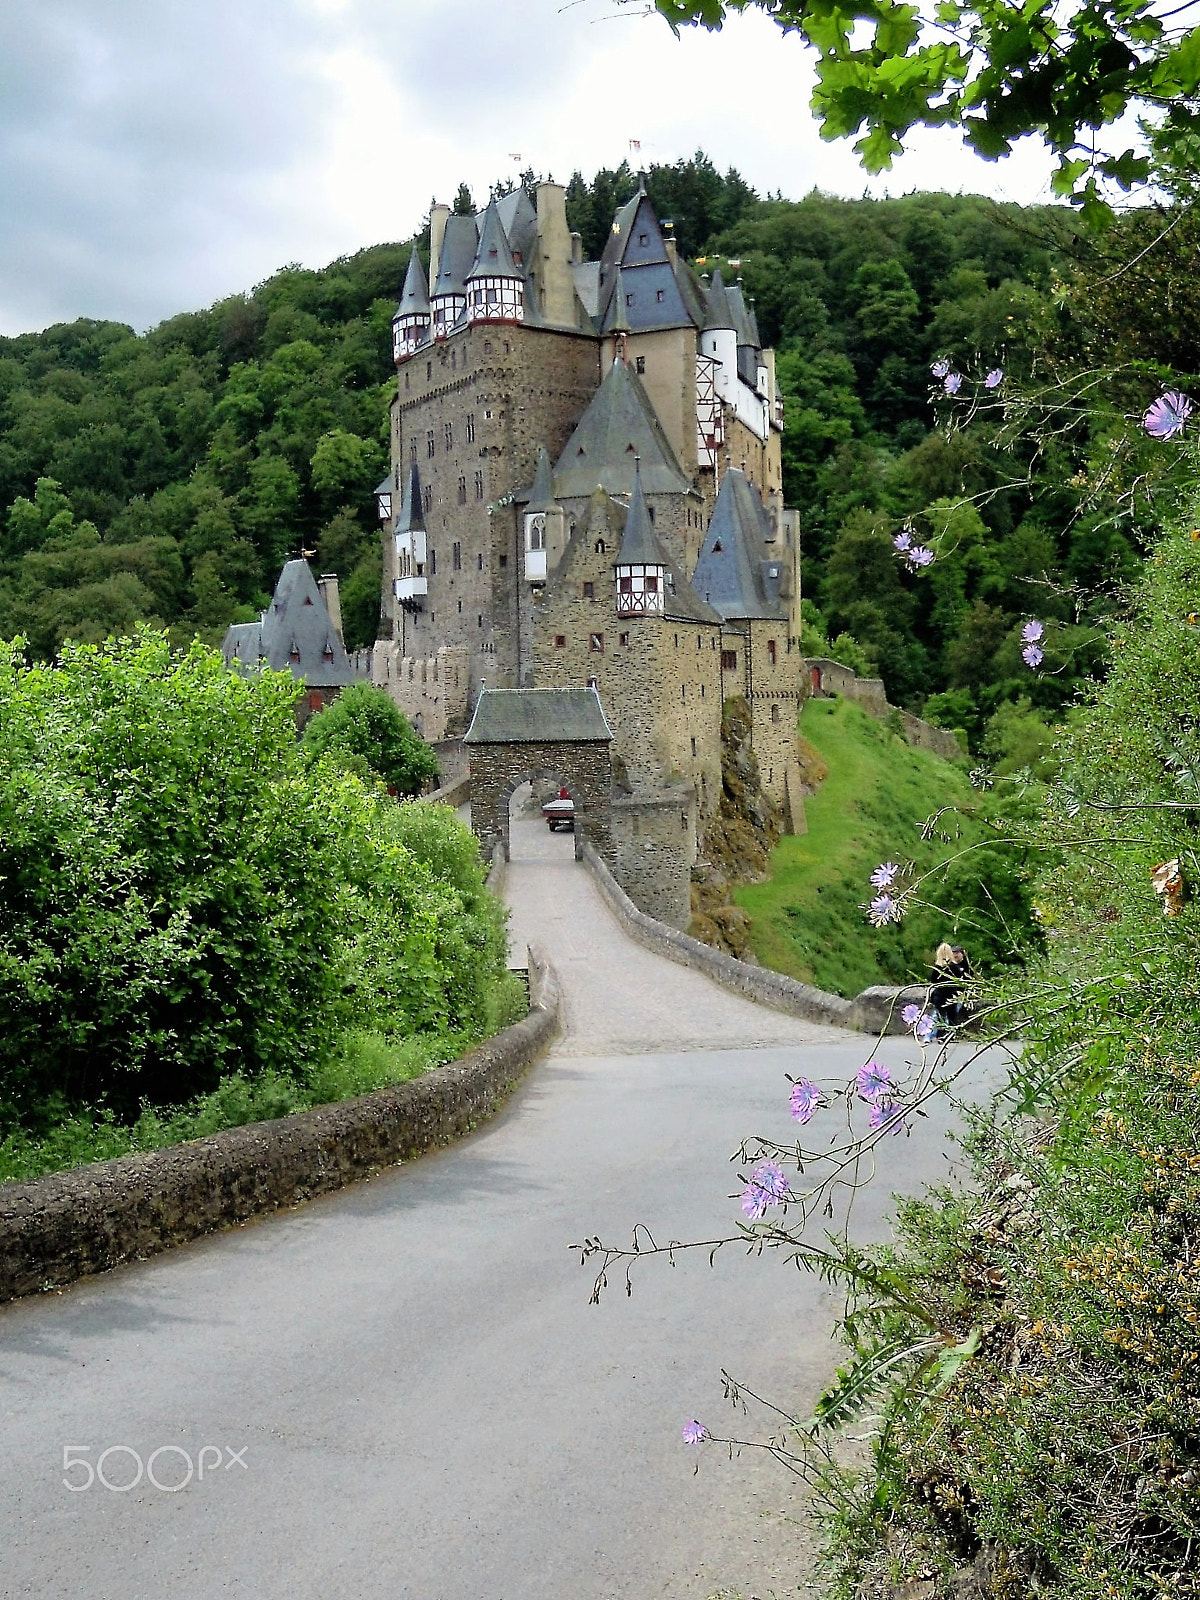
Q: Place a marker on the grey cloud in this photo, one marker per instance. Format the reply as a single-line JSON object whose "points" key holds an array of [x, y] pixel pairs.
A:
{"points": [[138, 141]]}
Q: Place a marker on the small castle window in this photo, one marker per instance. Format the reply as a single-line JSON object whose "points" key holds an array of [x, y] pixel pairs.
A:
{"points": [[448, 430], [560, 641], [460, 608], [479, 486], [623, 638], [429, 369], [487, 415], [481, 619], [428, 499], [503, 559], [628, 299], [596, 643], [683, 691], [643, 238], [699, 642], [693, 744], [702, 691], [717, 547], [660, 295], [462, 490], [470, 427], [589, 591], [771, 650], [430, 447], [487, 350], [774, 713], [407, 385], [456, 562], [432, 563], [728, 660], [641, 364], [593, 683], [412, 449], [479, 559], [683, 821], [600, 547]]}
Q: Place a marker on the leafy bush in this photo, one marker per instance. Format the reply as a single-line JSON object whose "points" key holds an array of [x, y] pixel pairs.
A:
{"points": [[366, 733], [1062, 1457], [186, 896]]}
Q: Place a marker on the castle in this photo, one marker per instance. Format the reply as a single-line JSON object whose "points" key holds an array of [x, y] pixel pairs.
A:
{"points": [[585, 489]]}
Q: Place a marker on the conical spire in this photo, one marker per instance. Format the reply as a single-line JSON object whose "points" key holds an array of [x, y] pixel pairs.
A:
{"points": [[414, 297], [719, 314], [542, 494], [412, 510], [639, 542], [618, 322], [494, 259]]}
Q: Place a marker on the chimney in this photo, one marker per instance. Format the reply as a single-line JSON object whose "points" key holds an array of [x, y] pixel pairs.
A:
{"points": [[668, 232], [438, 217], [554, 253], [328, 585]]}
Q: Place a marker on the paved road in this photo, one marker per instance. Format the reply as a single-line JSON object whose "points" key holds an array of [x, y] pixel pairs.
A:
{"points": [[426, 1404]]}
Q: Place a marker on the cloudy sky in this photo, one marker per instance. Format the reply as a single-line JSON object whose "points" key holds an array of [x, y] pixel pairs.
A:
{"points": [[158, 154]]}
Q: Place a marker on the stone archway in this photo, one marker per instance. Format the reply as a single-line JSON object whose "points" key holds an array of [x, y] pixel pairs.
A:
{"points": [[522, 735]]}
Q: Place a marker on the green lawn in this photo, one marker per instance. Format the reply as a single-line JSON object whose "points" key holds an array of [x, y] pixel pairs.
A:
{"points": [[808, 919]]}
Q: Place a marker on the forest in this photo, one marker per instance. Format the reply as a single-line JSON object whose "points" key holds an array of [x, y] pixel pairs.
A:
{"points": [[165, 476]]}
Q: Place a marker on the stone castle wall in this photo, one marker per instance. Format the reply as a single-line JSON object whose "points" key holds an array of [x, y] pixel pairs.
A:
{"points": [[432, 691], [502, 391], [584, 768], [653, 852]]}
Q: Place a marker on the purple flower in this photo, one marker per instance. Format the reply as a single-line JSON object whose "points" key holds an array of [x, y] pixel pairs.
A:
{"points": [[1032, 656], [902, 541], [872, 1080], [883, 909], [953, 382], [694, 1432], [806, 1097], [923, 1023], [919, 556], [884, 875], [887, 1114], [1032, 631], [1167, 415], [994, 378], [940, 367], [767, 1187]]}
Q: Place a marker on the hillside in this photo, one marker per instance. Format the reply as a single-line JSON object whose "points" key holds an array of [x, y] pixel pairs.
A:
{"points": [[808, 919]]}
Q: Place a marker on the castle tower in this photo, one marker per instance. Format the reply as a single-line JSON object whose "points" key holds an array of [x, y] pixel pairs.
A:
{"points": [[495, 284], [410, 584], [410, 325], [456, 255], [641, 567]]}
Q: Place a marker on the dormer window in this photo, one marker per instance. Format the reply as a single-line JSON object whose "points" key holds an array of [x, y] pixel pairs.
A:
{"points": [[643, 238]]}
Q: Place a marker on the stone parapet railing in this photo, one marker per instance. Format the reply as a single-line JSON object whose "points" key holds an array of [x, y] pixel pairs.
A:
{"points": [[874, 1011], [56, 1229]]}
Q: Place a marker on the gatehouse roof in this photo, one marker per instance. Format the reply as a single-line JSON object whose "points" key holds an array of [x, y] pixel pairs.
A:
{"points": [[538, 716]]}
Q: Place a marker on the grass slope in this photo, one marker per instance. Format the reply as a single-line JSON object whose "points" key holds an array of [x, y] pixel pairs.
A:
{"points": [[807, 920]]}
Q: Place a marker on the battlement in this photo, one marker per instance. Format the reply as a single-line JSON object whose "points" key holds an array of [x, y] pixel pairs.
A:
{"points": [[433, 692]]}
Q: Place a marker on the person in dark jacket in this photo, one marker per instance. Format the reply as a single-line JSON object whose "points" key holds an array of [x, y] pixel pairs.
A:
{"points": [[951, 973]]}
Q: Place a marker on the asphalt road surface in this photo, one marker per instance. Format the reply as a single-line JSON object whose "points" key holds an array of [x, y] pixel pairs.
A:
{"points": [[402, 1390]]}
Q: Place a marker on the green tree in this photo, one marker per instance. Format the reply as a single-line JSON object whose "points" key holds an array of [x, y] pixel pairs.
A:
{"points": [[366, 732]]}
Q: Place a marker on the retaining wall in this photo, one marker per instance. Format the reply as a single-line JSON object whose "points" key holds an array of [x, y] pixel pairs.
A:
{"points": [[831, 677], [71, 1224], [874, 1011]]}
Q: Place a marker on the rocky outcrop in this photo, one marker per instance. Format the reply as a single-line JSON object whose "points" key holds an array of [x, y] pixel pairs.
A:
{"points": [[739, 840]]}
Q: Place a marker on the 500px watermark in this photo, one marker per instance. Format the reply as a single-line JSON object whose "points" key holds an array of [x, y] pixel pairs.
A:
{"points": [[170, 1468]]}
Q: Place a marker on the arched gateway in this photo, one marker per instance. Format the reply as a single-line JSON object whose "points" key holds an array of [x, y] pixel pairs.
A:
{"points": [[522, 734]]}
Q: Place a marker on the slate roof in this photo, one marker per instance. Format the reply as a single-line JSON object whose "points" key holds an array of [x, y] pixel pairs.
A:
{"points": [[493, 259], [295, 632], [734, 572], [639, 542], [719, 313], [414, 297], [542, 493], [411, 516], [459, 244], [532, 716], [637, 281], [619, 424]]}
